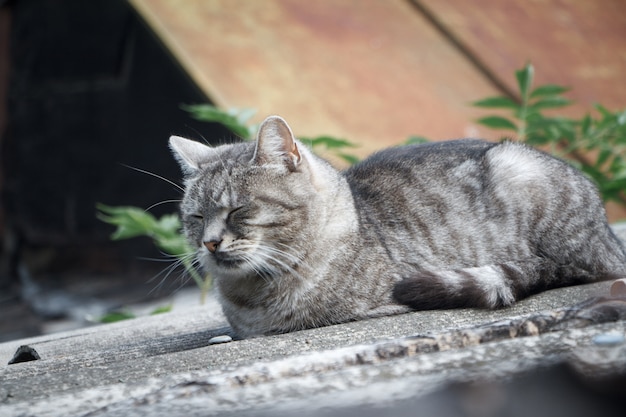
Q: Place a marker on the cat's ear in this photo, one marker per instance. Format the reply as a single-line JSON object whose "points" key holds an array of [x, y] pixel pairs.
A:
{"points": [[189, 153], [275, 144]]}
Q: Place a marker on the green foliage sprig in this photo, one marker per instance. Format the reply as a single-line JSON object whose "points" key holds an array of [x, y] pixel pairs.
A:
{"points": [[165, 234], [333, 145], [120, 315], [596, 144], [235, 120]]}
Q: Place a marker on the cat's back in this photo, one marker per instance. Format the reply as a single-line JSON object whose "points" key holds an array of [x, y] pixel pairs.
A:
{"points": [[449, 186], [427, 156], [422, 167], [460, 163]]}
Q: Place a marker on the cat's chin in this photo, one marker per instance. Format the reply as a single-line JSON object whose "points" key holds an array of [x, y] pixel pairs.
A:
{"points": [[213, 262], [229, 264], [229, 268], [238, 271]]}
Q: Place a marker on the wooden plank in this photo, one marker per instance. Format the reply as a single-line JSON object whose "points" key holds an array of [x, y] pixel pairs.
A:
{"points": [[372, 71], [577, 43]]}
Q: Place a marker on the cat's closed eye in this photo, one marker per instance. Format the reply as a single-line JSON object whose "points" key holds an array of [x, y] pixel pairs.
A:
{"points": [[234, 212], [197, 216]]}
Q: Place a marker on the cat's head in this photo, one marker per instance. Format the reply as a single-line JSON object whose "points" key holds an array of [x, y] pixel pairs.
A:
{"points": [[249, 207]]}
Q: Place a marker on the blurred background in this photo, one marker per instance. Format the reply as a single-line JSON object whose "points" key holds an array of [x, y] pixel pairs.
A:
{"points": [[88, 88]]}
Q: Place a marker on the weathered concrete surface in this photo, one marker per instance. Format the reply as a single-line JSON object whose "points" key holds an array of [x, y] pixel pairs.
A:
{"points": [[161, 365], [164, 366]]}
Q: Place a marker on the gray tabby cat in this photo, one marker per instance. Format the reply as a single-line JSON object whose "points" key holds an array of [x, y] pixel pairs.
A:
{"points": [[293, 244]]}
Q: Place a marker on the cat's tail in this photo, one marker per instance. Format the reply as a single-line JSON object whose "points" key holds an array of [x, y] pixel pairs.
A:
{"points": [[489, 286]]}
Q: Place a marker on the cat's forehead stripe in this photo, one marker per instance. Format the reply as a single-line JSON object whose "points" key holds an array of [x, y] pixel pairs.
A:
{"points": [[216, 190]]}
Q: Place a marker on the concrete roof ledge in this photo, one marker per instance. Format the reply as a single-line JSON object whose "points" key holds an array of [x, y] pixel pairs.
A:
{"points": [[162, 365]]}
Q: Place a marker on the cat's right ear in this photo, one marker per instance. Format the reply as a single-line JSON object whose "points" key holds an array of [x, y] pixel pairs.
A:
{"points": [[189, 153], [275, 144]]}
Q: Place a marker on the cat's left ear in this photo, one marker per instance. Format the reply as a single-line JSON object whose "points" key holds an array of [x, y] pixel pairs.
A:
{"points": [[275, 144], [190, 154]]}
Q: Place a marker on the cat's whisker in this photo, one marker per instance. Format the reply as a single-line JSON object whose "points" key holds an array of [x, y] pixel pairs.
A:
{"points": [[176, 262], [269, 254], [162, 202], [250, 261], [184, 255], [143, 171], [295, 259], [197, 132], [145, 258], [165, 273], [271, 251]]}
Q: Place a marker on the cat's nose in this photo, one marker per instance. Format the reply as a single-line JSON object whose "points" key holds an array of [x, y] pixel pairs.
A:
{"points": [[212, 245]]}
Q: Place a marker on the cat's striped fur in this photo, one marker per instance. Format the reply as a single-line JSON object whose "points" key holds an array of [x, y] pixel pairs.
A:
{"points": [[292, 243]]}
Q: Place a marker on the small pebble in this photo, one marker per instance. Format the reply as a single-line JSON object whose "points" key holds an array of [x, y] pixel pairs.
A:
{"points": [[220, 339], [618, 288], [609, 339], [24, 354]]}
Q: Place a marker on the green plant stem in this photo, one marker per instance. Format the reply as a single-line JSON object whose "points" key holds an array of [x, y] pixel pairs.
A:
{"points": [[204, 289], [523, 114], [203, 284]]}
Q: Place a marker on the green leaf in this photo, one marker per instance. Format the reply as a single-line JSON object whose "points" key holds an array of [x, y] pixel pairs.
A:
{"points": [[415, 140], [130, 221], [585, 125], [116, 316], [538, 121], [500, 102], [533, 138], [542, 130], [550, 102], [168, 225], [329, 142], [351, 159], [548, 90], [133, 222], [497, 122], [616, 168], [603, 110], [176, 246], [611, 189], [161, 310], [594, 173], [243, 116], [233, 119], [333, 144], [525, 79], [603, 156]]}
